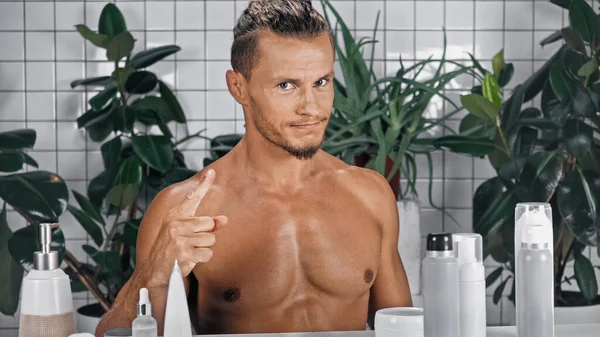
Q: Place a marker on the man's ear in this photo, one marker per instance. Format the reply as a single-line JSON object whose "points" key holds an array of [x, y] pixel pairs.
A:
{"points": [[236, 83]]}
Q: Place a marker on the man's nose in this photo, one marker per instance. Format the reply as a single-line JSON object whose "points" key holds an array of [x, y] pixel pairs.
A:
{"points": [[308, 104]]}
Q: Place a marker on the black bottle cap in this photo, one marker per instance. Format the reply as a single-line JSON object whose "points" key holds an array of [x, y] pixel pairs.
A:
{"points": [[439, 241]]}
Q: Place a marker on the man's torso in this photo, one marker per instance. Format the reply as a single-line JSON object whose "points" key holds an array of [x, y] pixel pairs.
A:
{"points": [[303, 261]]}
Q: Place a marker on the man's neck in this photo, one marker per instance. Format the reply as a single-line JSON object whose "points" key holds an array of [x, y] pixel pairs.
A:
{"points": [[273, 166]]}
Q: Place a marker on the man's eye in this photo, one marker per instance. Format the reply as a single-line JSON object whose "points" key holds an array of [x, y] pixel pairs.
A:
{"points": [[321, 82], [285, 85]]}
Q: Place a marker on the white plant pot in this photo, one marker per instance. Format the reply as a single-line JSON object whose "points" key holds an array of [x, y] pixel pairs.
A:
{"points": [[577, 315], [409, 242], [88, 317], [589, 314]]}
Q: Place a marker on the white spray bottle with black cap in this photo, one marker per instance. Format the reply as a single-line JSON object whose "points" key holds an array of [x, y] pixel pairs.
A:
{"points": [[46, 298], [440, 288]]}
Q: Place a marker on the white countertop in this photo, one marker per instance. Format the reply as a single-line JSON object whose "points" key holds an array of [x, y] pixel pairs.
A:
{"points": [[578, 330]]}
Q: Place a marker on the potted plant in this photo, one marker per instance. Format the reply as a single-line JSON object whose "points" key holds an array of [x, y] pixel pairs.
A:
{"points": [[130, 116], [37, 196], [381, 124], [545, 155]]}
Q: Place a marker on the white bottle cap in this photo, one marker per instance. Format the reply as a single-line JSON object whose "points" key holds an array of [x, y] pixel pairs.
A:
{"points": [[527, 213], [468, 247], [144, 307], [534, 234]]}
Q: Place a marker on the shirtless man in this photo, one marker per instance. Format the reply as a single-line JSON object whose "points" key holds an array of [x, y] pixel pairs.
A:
{"points": [[278, 235]]}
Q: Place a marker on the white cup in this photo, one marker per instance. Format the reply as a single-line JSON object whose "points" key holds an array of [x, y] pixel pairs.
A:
{"points": [[399, 322]]}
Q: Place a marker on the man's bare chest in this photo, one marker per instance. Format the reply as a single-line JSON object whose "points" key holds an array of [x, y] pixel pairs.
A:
{"points": [[275, 251]]}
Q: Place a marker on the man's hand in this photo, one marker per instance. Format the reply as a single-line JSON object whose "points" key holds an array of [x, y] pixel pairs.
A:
{"points": [[184, 236]]}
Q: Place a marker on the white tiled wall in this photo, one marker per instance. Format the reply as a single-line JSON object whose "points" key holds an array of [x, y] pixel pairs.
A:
{"points": [[41, 53]]}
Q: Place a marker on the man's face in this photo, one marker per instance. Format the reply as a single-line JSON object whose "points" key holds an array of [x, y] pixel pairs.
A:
{"points": [[291, 92]]}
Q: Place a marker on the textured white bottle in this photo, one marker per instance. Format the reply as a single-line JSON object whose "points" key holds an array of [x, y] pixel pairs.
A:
{"points": [[471, 284]]}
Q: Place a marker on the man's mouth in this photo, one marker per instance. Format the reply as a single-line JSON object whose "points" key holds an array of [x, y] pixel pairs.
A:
{"points": [[307, 125]]}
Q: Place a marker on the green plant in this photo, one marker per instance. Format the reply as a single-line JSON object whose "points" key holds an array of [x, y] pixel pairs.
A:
{"points": [[38, 196], [381, 123], [130, 116], [220, 146], [550, 154]]}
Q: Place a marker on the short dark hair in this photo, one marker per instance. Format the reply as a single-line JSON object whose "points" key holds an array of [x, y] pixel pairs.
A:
{"points": [[288, 18]]}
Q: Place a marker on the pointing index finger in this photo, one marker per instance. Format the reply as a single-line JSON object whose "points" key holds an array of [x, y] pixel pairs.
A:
{"points": [[195, 196]]}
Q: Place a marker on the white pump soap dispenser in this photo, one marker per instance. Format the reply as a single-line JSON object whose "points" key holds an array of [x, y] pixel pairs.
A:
{"points": [[46, 299]]}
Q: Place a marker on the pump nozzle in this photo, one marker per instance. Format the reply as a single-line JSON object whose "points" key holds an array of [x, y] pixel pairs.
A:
{"points": [[46, 259]]}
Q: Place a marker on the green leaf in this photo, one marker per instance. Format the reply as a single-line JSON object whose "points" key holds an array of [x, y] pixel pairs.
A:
{"points": [[474, 146], [538, 123], [479, 106], [148, 57], [588, 68], [499, 212], [101, 129], [578, 205], [145, 108], [578, 137], [474, 126], [25, 241], [499, 291], [111, 22], [88, 208], [174, 176], [498, 62], [96, 39], [491, 90], [506, 74], [102, 81], [484, 197], [92, 116], [17, 139], [540, 176], [99, 101], [41, 195], [11, 273], [130, 232], [584, 20], [30, 161], [11, 161], [141, 82], [111, 152], [573, 40], [119, 46], [91, 227], [108, 261], [556, 36], [478, 65], [586, 277], [512, 108], [156, 151], [123, 118], [562, 3], [584, 104], [499, 155], [493, 276], [130, 171], [167, 95], [126, 185], [560, 83], [100, 185], [534, 84]]}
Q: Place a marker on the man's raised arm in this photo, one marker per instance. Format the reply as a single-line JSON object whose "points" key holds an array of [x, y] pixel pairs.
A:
{"points": [[169, 231]]}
